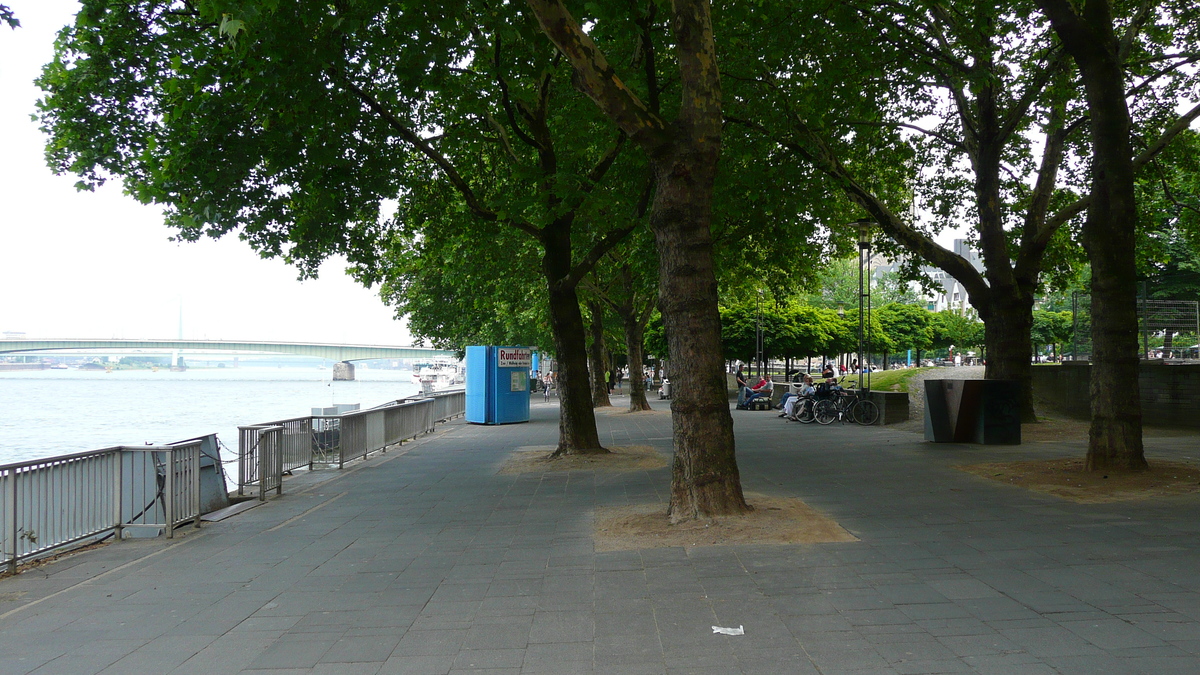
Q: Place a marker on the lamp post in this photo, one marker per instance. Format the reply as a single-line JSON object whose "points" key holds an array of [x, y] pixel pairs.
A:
{"points": [[864, 299], [841, 312], [758, 334]]}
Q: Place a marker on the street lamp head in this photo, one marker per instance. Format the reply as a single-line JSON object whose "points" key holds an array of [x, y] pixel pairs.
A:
{"points": [[841, 310], [864, 232]]}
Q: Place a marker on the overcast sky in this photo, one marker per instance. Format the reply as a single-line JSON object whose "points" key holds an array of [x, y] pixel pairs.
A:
{"points": [[99, 265]]}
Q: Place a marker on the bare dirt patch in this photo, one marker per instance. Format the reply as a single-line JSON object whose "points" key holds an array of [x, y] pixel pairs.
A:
{"points": [[624, 410], [1066, 478], [775, 520], [536, 459]]}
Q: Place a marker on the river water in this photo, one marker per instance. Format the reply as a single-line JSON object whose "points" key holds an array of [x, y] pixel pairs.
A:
{"points": [[54, 412]]}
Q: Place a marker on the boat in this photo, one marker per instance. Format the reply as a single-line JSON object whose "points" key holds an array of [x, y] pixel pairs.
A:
{"points": [[434, 375]]}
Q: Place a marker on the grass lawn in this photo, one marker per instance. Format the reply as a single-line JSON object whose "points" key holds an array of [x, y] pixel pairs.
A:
{"points": [[887, 380]]}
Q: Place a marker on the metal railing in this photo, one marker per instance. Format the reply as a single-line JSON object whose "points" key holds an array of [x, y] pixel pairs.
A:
{"points": [[330, 439], [373, 430], [53, 502], [261, 458], [49, 503], [447, 404]]}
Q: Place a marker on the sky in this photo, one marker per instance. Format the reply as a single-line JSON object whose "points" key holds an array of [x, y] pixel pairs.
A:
{"points": [[99, 265]]}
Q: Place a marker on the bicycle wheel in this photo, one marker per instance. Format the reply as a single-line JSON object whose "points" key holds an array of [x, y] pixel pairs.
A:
{"points": [[865, 412], [807, 414], [826, 412]]}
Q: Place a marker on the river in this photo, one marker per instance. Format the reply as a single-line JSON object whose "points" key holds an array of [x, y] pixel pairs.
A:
{"points": [[55, 412]]}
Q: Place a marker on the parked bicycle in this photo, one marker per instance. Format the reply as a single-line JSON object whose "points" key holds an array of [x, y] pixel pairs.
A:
{"points": [[850, 405]]}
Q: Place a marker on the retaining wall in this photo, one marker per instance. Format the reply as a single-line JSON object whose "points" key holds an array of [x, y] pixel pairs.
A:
{"points": [[1170, 392]]}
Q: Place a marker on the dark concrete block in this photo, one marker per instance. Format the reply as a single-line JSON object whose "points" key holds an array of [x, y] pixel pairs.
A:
{"points": [[973, 411]]}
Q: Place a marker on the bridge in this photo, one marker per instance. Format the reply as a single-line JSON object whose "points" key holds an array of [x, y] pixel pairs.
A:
{"points": [[343, 354]]}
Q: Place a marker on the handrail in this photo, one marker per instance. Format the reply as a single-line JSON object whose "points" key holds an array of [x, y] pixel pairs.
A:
{"points": [[56, 501], [53, 502]]}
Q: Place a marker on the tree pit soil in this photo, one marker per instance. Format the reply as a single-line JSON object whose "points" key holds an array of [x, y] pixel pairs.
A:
{"points": [[611, 410], [1067, 479], [537, 459], [774, 520]]}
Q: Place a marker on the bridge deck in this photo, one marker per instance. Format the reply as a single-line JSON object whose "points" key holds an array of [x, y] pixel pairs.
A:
{"points": [[335, 352]]}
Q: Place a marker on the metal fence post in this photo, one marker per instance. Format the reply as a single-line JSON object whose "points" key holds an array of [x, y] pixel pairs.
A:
{"points": [[262, 468], [169, 497], [279, 460], [10, 527], [119, 495], [195, 468]]}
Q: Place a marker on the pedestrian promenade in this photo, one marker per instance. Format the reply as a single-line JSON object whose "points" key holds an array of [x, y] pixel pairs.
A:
{"points": [[425, 560]]}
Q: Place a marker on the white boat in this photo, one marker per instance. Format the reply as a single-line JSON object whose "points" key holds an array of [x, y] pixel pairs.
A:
{"points": [[434, 375]]}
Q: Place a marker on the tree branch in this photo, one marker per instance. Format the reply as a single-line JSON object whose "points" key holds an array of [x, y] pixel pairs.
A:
{"points": [[943, 138], [506, 101], [814, 150], [596, 78], [606, 244], [407, 134], [1146, 156]]}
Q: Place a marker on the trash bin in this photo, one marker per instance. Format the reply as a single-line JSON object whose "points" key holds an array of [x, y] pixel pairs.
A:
{"points": [[665, 390], [973, 411]]}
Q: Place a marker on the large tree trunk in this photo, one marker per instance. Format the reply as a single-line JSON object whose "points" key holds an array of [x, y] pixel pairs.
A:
{"points": [[1115, 437], [577, 432], [704, 478], [1007, 322], [634, 339], [596, 352]]}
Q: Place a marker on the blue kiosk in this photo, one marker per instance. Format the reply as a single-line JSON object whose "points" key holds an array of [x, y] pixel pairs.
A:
{"points": [[498, 384]]}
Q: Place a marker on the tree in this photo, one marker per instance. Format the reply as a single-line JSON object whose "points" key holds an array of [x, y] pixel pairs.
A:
{"points": [[1051, 328], [629, 293], [598, 360], [1104, 55], [951, 329], [962, 88], [294, 124], [7, 16], [907, 326], [683, 153], [431, 276]]}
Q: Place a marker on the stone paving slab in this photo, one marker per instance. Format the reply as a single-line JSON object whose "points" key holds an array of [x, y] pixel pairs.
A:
{"points": [[427, 561]]}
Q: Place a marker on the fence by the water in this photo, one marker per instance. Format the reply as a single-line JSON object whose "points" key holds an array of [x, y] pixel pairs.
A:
{"points": [[266, 451], [49, 503]]}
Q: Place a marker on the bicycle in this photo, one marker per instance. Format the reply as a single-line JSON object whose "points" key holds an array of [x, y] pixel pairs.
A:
{"points": [[852, 405]]}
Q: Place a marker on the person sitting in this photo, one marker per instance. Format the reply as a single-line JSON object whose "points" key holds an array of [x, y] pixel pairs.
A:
{"points": [[764, 388], [803, 391], [827, 371], [792, 392]]}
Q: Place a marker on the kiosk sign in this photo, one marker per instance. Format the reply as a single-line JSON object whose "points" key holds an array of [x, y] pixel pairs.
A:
{"points": [[514, 357]]}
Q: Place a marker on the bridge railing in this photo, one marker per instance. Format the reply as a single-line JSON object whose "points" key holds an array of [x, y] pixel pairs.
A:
{"points": [[52, 502]]}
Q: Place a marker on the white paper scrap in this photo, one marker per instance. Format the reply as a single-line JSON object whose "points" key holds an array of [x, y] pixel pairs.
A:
{"points": [[729, 631]]}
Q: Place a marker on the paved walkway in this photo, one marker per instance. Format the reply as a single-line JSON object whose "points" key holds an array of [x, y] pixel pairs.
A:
{"points": [[427, 561]]}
